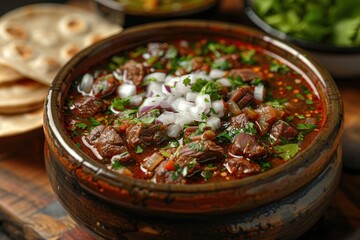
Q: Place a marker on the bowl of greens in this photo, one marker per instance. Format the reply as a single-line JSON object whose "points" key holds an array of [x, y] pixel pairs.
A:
{"points": [[328, 29]]}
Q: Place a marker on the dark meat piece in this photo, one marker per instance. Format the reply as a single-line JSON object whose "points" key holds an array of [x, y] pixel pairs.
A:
{"points": [[281, 129], [134, 71], [240, 121], [152, 161], [202, 151], [246, 74], [195, 135], [148, 134], [107, 142], [248, 146], [233, 59], [266, 117], [104, 86], [243, 97], [241, 167], [86, 106], [164, 175], [157, 49]]}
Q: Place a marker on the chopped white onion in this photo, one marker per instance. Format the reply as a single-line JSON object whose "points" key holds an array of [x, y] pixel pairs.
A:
{"points": [[184, 106], [136, 100], [204, 101], [150, 103], [146, 55], [126, 90], [259, 92], [86, 83], [175, 104], [191, 96], [117, 75], [174, 130], [181, 88], [152, 88], [171, 80], [213, 122], [218, 107], [166, 118], [159, 76], [182, 119], [225, 82], [196, 113], [216, 73], [166, 89]]}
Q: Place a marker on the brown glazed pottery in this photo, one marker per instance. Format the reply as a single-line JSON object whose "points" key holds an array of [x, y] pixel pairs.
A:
{"points": [[278, 204]]}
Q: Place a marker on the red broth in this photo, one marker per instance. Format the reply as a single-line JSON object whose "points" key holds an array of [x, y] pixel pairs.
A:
{"points": [[188, 112]]}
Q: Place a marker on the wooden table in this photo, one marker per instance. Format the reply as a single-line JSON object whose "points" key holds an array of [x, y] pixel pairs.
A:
{"points": [[30, 210]]}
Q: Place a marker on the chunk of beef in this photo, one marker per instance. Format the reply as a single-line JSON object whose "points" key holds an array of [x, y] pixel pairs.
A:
{"points": [[242, 97], [164, 175], [281, 129], [134, 71], [152, 161], [233, 59], [246, 74], [107, 142], [194, 134], [266, 117], [148, 134], [104, 86], [241, 167], [202, 151], [86, 106], [240, 121], [248, 146]]}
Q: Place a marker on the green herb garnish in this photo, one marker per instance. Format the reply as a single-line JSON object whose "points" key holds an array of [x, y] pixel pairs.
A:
{"points": [[287, 151]]}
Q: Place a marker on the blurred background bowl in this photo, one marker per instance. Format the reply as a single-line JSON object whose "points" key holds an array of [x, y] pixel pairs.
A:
{"points": [[340, 61], [128, 15]]}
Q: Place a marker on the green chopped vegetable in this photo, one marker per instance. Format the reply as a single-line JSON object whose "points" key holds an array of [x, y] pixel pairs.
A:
{"points": [[81, 125], [287, 151], [139, 149], [116, 165], [198, 85], [120, 103], [221, 64], [213, 89]]}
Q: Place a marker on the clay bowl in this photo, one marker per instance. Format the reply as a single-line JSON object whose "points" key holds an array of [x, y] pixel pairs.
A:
{"points": [[281, 203], [340, 61]]}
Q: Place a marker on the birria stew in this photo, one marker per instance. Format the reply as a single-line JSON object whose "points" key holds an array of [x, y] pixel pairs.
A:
{"points": [[192, 111]]}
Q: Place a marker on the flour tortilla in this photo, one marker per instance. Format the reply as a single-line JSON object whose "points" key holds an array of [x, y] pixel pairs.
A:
{"points": [[17, 124], [37, 40], [8, 74], [21, 96]]}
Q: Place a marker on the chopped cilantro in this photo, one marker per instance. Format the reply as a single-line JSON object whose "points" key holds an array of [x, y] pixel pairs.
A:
{"points": [[171, 52], [186, 81], [204, 116], [250, 128], [158, 65], [139, 149], [236, 82], [147, 119], [300, 96], [207, 174], [302, 126], [94, 122], [300, 116], [198, 85], [305, 89], [78, 145], [290, 118], [247, 57], [309, 101], [221, 64], [119, 60], [288, 87], [278, 67], [276, 103], [287, 151], [120, 103], [212, 110], [192, 164], [116, 165], [139, 51], [256, 81], [213, 89], [265, 166], [81, 125]]}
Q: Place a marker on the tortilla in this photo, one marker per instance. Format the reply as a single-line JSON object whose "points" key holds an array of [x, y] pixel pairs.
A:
{"points": [[17, 124], [33, 34], [8, 74], [21, 96]]}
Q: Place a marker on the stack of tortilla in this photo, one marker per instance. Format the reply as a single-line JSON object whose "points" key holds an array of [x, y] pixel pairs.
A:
{"points": [[35, 42]]}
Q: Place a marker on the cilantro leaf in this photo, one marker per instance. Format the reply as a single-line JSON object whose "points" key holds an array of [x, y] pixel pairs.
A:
{"points": [[120, 103], [198, 85], [287, 151]]}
